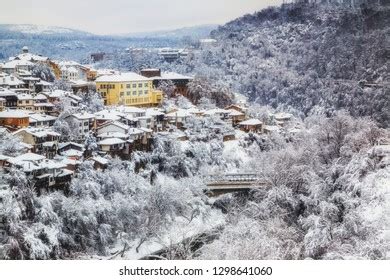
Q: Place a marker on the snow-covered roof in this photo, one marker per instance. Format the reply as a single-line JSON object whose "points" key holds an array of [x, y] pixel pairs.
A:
{"points": [[44, 83], [147, 130], [130, 110], [68, 63], [111, 141], [44, 104], [31, 57], [74, 97], [105, 72], [135, 131], [283, 116], [49, 143], [79, 83], [57, 93], [235, 113], [271, 128], [28, 157], [64, 144], [108, 115], [179, 113], [72, 152], [83, 116], [217, 111], [40, 97], [251, 122], [14, 114], [7, 92], [26, 75], [25, 96], [119, 135], [37, 132], [117, 124], [41, 118], [11, 80], [171, 76], [4, 157], [100, 160], [122, 77], [154, 112], [16, 63], [70, 69], [68, 161], [195, 111]]}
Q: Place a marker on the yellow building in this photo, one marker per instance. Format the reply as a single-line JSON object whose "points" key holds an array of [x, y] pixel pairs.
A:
{"points": [[129, 89]]}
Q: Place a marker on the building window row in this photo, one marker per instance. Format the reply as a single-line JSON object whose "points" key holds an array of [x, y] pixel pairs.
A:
{"points": [[108, 86]]}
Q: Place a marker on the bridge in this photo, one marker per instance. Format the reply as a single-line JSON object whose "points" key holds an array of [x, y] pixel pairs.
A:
{"points": [[226, 183]]}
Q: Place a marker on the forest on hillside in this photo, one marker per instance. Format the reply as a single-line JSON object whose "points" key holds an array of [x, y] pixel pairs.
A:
{"points": [[306, 58]]}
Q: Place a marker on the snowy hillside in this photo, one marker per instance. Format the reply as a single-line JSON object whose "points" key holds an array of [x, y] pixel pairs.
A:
{"points": [[304, 57], [33, 29]]}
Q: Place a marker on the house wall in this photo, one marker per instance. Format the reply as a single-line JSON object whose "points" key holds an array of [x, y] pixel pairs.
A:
{"points": [[26, 137], [131, 93], [110, 128], [14, 122]]}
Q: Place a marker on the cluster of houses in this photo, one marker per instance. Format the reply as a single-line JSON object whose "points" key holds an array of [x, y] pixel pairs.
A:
{"points": [[51, 159], [131, 118]]}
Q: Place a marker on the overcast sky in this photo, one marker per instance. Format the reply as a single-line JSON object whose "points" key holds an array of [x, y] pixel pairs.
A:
{"points": [[125, 16]]}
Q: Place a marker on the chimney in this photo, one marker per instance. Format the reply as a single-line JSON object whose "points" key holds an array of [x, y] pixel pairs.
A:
{"points": [[25, 49]]}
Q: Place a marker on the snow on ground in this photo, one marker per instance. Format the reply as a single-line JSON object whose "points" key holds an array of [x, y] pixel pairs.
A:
{"points": [[39, 29], [232, 150], [180, 230], [376, 210]]}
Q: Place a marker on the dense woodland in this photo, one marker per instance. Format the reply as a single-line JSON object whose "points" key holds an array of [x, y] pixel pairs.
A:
{"points": [[305, 57]]}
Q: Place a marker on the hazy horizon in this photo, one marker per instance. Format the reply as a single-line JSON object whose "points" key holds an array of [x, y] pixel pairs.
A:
{"points": [[127, 16]]}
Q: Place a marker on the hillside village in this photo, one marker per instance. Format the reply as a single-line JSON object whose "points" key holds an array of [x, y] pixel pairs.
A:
{"points": [[269, 140], [131, 112]]}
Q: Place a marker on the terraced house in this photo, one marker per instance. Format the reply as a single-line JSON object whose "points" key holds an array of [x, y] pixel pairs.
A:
{"points": [[129, 89]]}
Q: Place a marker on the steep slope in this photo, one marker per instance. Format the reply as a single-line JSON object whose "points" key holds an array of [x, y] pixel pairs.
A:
{"points": [[307, 57]]}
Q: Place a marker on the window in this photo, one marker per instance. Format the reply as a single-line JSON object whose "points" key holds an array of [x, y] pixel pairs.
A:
{"points": [[134, 93], [121, 85], [134, 85], [139, 85], [145, 84], [139, 92], [122, 94], [128, 93], [128, 86], [145, 92]]}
